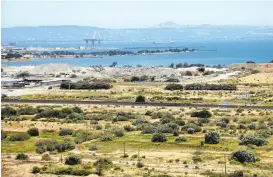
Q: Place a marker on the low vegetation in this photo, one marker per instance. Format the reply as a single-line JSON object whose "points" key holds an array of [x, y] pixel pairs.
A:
{"points": [[83, 85]]}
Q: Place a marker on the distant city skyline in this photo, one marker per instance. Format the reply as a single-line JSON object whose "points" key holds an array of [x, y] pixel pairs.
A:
{"points": [[134, 14]]}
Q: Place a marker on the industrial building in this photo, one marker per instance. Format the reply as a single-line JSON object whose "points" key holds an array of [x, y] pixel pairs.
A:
{"points": [[12, 83], [29, 82]]}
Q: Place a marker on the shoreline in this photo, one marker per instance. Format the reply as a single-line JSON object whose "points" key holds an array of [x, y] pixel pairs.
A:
{"points": [[15, 60], [101, 56]]}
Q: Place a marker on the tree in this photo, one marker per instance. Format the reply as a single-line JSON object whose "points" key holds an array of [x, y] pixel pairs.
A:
{"points": [[201, 69], [102, 164], [243, 156], [23, 75], [172, 65], [158, 137], [250, 62], [114, 64], [212, 138], [140, 99]]}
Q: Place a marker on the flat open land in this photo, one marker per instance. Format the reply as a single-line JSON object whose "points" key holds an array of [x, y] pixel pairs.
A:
{"points": [[112, 140]]}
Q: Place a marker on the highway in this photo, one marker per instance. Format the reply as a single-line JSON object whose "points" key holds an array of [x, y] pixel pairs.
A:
{"points": [[134, 104]]}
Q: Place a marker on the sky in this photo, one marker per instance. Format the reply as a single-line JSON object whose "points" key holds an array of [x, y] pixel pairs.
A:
{"points": [[134, 14]]}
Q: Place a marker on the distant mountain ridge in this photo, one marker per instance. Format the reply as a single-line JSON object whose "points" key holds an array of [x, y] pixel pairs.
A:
{"points": [[167, 24], [160, 32]]}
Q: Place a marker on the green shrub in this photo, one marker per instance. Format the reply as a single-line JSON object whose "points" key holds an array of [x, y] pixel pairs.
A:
{"points": [[201, 69], [117, 131], [196, 159], [237, 174], [35, 170], [98, 127], [139, 121], [174, 87], [3, 135], [50, 113], [93, 148], [135, 79], [72, 171], [244, 156], [8, 111], [82, 136], [254, 140], [67, 144], [180, 122], [33, 131], [46, 157], [46, 145], [73, 160], [158, 137], [67, 110], [65, 132], [85, 85], [102, 164], [172, 80], [76, 116], [140, 99], [201, 114], [107, 137], [29, 110], [191, 130], [181, 139], [167, 128], [128, 128], [195, 127], [212, 138], [210, 87], [21, 156], [19, 137], [76, 109], [148, 129], [167, 118], [139, 164]]}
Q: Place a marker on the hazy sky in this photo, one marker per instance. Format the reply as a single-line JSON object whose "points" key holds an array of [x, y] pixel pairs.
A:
{"points": [[131, 14]]}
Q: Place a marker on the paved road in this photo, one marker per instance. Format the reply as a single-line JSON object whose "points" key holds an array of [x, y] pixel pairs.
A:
{"points": [[133, 104]]}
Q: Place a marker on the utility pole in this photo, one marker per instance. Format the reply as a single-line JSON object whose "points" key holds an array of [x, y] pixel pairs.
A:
{"points": [[124, 149], [61, 153], [225, 164], [69, 84], [86, 130], [138, 155]]}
